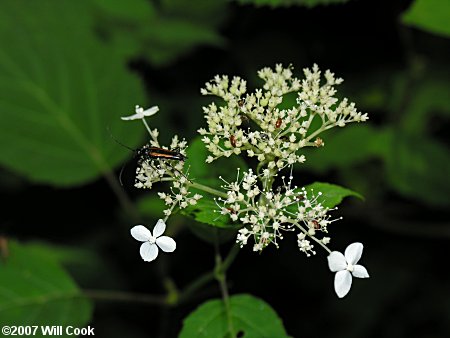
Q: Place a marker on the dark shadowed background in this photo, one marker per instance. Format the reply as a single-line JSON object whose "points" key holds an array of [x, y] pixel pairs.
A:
{"points": [[90, 62]]}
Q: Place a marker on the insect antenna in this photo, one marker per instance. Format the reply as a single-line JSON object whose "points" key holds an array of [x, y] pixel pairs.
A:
{"points": [[118, 142], [125, 146], [121, 172]]}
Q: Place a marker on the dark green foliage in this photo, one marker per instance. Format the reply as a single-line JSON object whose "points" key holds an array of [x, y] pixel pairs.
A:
{"points": [[250, 315], [283, 3], [332, 194], [60, 89], [161, 33], [207, 211], [429, 15], [35, 290]]}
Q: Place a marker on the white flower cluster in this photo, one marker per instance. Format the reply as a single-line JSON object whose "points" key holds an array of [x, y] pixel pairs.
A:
{"points": [[280, 133], [180, 196], [320, 100], [151, 170], [267, 212]]}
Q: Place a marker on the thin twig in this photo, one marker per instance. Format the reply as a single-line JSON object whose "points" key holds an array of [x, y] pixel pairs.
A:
{"points": [[128, 297]]}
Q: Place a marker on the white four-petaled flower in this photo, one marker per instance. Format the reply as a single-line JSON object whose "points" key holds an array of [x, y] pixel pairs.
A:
{"points": [[141, 113], [149, 249], [345, 266]]}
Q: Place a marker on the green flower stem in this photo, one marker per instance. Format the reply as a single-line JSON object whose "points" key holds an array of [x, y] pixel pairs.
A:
{"points": [[219, 273], [207, 189], [306, 232], [226, 299], [230, 258], [171, 209], [119, 296], [171, 291], [261, 166], [267, 185], [149, 130], [318, 131], [320, 243]]}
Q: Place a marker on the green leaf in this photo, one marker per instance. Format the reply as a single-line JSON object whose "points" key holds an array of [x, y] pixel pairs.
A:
{"points": [[366, 142], [206, 211], [428, 99], [35, 290], [417, 164], [135, 10], [332, 194], [430, 15], [210, 12], [250, 315], [170, 38], [164, 34], [285, 3], [196, 157], [88, 267], [61, 89], [419, 167], [63, 254]]}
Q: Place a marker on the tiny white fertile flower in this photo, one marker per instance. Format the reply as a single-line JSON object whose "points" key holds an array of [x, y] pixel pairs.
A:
{"points": [[149, 249], [141, 113], [345, 266]]}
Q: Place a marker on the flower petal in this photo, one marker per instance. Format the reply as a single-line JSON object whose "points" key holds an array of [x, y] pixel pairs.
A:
{"points": [[166, 243], [133, 117], [336, 261], [141, 233], [353, 253], [148, 251], [141, 113], [360, 271], [342, 283], [159, 228], [151, 111]]}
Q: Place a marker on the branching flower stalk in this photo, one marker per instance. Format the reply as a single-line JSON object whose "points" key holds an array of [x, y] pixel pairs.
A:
{"points": [[261, 125]]}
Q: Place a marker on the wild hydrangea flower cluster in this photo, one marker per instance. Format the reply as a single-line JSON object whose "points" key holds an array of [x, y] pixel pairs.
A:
{"points": [[280, 132], [259, 124], [267, 213], [150, 171]]}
